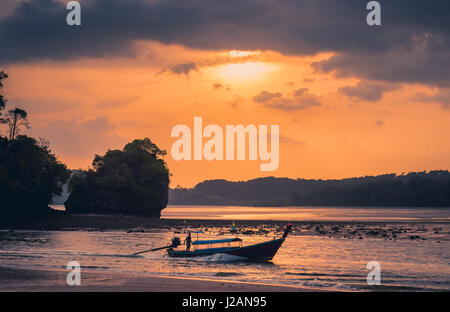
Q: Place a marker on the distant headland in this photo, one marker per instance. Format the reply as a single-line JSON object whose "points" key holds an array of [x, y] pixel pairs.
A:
{"points": [[414, 189]]}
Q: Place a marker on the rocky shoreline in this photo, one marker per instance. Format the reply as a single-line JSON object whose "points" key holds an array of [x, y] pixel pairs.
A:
{"points": [[417, 231]]}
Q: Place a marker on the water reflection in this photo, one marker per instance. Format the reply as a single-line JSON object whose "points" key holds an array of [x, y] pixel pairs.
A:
{"points": [[304, 260], [306, 213]]}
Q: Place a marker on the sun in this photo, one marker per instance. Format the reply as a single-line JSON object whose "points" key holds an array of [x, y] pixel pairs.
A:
{"points": [[243, 72]]}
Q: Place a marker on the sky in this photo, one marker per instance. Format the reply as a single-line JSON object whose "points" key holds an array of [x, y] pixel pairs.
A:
{"points": [[350, 99]]}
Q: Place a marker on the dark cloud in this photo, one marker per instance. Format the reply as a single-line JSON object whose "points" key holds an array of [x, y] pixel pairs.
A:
{"points": [[367, 90], [418, 66], [300, 92], [184, 69], [265, 97], [441, 96], [301, 99], [6, 7], [181, 69], [412, 45], [379, 122]]}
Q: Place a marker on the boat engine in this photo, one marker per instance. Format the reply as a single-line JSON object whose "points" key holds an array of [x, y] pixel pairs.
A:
{"points": [[175, 242]]}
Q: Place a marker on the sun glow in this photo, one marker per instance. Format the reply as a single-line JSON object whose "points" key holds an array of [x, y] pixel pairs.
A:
{"points": [[242, 72], [239, 53]]}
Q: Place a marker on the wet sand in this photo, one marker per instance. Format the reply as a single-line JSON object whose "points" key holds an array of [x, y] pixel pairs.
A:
{"points": [[44, 280]]}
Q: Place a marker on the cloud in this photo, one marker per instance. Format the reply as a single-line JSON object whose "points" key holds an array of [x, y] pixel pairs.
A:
{"points": [[416, 66], [234, 103], [184, 69], [181, 69], [379, 122], [265, 97], [80, 138], [412, 45], [367, 90], [301, 99], [217, 86], [230, 57], [441, 96], [288, 140], [6, 7], [300, 92], [43, 105]]}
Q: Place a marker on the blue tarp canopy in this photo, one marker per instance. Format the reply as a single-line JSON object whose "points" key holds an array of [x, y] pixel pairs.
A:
{"points": [[216, 241]]}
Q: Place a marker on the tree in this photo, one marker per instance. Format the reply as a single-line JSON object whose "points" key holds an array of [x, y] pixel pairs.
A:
{"points": [[3, 76], [15, 119], [134, 181], [29, 177], [424, 189]]}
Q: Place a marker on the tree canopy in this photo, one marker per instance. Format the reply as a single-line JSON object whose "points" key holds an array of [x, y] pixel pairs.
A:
{"points": [[3, 76], [413, 189], [134, 181], [30, 175]]}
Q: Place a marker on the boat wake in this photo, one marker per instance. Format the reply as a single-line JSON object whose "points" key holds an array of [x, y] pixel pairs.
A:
{"points": [[219, 257]]}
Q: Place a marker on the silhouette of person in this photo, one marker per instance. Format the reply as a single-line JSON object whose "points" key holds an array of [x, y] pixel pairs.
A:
{"points": [[188, 241]]}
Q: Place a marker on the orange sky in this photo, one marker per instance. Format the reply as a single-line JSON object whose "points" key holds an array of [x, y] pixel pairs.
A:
{"points": [[88, 105]]}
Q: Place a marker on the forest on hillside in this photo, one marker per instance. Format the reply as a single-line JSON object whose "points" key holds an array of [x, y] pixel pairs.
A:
{"points": [[414, 189]]}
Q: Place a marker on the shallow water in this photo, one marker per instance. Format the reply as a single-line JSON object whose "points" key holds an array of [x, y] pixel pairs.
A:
{"points": [[306, 213], [306, 259]]}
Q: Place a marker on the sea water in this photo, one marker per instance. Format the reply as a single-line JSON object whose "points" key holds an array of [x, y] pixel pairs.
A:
{"points": [[316, 255]]}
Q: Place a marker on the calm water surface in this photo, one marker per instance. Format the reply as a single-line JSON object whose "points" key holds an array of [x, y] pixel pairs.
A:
{"points": [[306, 258], [306, 213]]}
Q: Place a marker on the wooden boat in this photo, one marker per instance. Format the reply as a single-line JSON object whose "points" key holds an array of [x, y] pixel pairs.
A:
{"points": [[264, 251]]}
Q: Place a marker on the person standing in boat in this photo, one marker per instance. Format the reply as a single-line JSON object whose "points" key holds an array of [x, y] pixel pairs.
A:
{"points": [[188, 241]]}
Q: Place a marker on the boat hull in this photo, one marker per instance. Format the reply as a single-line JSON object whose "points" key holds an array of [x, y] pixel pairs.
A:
{"points": [[258, 252]]}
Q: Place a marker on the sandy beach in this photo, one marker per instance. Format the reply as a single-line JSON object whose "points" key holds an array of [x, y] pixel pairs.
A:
{"points": [[45, 280]]}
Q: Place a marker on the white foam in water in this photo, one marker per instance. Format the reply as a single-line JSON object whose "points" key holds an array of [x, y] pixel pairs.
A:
{"points": [[219, 257]]}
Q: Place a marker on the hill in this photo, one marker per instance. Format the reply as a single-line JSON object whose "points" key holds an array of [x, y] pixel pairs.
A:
{"points": [[415, 189]]}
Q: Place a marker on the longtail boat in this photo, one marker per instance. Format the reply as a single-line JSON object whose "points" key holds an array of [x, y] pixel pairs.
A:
{"points": [[264, 251]]}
